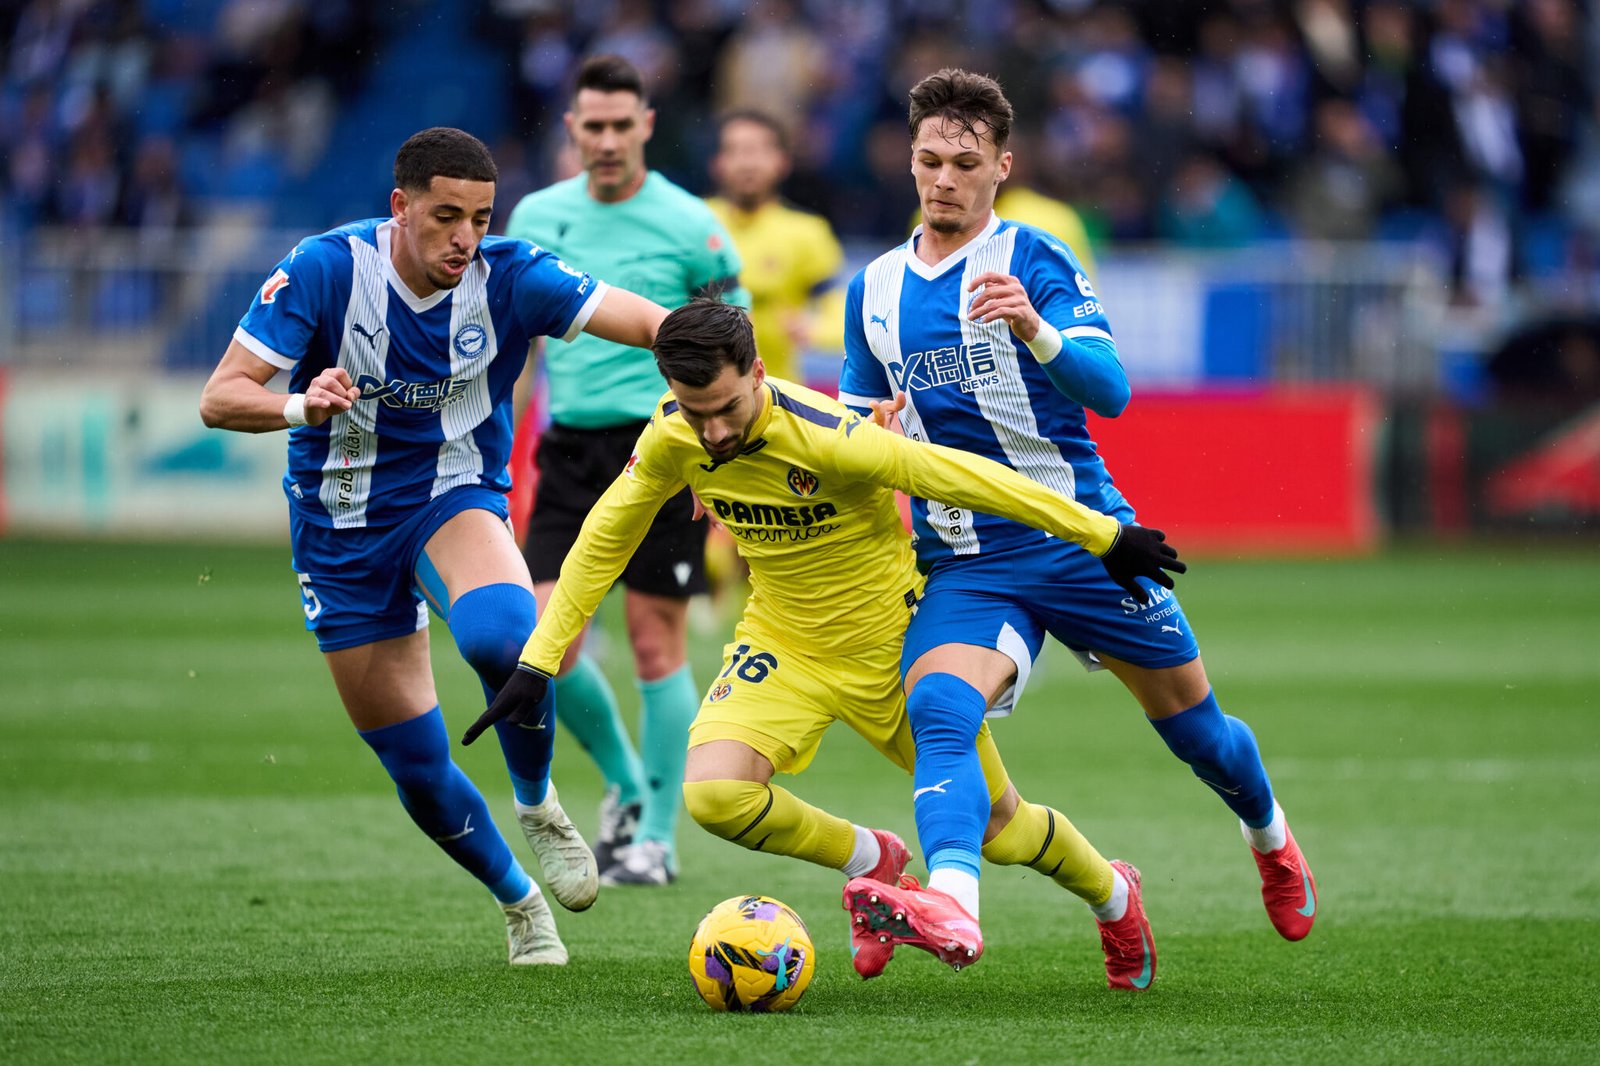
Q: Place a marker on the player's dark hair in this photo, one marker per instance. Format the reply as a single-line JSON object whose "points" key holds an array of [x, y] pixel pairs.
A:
{"points": [[965, 98], [698, 339], [442, 152], [759, 118], [610, 74]]}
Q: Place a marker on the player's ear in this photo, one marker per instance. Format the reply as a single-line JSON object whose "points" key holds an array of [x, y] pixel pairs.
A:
{"points": [[570, 122], [649, 123], [758, 371], [397, 204], [1005, 167]]}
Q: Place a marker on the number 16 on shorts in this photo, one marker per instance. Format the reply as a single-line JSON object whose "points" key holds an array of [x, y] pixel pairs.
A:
{"points": [[743, 665]]}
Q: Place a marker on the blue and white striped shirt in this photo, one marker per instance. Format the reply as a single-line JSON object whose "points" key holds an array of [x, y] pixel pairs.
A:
{"points": [[975, 386], [435, 406]]}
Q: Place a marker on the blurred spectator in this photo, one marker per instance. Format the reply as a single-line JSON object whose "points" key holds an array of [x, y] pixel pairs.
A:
{"points": [[1020, 201], [790, 258], [546, 61], [775, 62], [30, 137], [1471, 124], [1340, 190], [1206, 207], [1478, 245], [1554, 95], [155, 201]]}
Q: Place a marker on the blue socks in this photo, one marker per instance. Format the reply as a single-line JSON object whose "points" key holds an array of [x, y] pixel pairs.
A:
{"points": [[951, 800], [491, 624], [445, 804], [1222, 752]]}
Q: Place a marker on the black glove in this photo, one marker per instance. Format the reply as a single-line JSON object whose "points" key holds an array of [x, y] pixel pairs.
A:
{"points": [[1140, 552], [517, 702]]}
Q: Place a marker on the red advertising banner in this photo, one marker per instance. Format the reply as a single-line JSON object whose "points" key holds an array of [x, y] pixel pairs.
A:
{"points": [[1279, 470]]}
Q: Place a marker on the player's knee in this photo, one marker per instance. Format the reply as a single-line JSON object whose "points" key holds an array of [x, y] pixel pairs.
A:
{"points": [[946, 714], [728, 809], [490, 625], [1014, 838], [1002, 810], [416, 753]]}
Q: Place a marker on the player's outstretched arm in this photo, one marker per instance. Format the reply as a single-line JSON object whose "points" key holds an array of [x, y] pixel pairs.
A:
{"points": [[961, 479], [236, 396], [626, 318], [608, 539]]}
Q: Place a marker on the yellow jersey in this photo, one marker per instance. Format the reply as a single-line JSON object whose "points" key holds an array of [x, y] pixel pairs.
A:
{"points": [[811, 507], [787, 256], [1019, 203]]}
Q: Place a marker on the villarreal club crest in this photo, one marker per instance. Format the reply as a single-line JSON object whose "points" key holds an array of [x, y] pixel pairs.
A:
{"points": [[803, 483]]}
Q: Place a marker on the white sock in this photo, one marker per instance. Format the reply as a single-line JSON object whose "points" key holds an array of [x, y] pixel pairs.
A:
{"points": [[864, 855], [958, 883], [1117, 905], [1270, 837]]}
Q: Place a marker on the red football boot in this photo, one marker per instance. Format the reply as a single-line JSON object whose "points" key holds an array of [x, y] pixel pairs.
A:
{"points": [[1287, 889], [1129, 946], [893, 855], [907, 913], [868, 954]]}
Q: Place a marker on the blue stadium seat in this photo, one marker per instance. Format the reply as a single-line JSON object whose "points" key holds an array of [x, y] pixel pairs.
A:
{"points": [[198, 16], [160, 109], [126, 299], [1546, 246], [44, 301]]}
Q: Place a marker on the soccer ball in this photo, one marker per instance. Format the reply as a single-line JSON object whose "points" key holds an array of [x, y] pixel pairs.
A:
{"points": [[751, 953]]}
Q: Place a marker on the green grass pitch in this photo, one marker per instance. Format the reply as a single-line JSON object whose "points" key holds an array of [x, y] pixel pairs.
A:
{"points": [[200, 862]]}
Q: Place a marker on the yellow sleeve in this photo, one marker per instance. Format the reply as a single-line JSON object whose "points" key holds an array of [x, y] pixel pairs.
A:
{"points": [[824, 306], [606, 542], [826, 254], [863, 451]]}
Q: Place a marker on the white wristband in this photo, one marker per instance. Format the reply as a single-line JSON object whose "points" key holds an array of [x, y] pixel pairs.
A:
{"points": [[1046, 344], [294, 410]]}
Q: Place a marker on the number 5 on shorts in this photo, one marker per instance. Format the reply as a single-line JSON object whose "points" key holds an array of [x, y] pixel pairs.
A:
{"points": [[308, 598]]}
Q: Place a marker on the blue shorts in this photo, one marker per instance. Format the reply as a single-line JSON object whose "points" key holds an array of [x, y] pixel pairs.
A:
{"points": [[358, 586], [1009, 600]]}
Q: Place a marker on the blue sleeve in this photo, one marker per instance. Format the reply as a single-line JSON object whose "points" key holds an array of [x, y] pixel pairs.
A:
{"points": [[1087, 370], [862, 379], [284, 314], [551, 298]]}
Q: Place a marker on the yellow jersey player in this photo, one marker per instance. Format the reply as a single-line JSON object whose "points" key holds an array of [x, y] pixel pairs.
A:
{"points": [[805, 486], [790, 258]]}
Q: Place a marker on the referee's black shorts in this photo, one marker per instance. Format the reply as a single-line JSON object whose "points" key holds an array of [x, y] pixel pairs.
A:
{"points": [[575, 467]]}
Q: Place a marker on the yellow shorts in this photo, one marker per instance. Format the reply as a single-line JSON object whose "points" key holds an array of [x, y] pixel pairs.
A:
{"points": [[779, 700]]}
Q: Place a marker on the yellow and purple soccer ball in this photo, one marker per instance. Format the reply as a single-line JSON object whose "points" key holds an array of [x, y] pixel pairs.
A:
{"points": [[751, 953]]}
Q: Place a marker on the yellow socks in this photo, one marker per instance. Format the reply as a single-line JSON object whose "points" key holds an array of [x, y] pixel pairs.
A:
{"points": [[1042, 839]]}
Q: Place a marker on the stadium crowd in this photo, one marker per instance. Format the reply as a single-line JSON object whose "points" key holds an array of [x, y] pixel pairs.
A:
{"points": [[1201, 123]]}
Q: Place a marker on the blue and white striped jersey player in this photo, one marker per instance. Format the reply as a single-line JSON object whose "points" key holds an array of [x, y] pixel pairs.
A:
{"points": [[999, 344], [403, 338]]}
